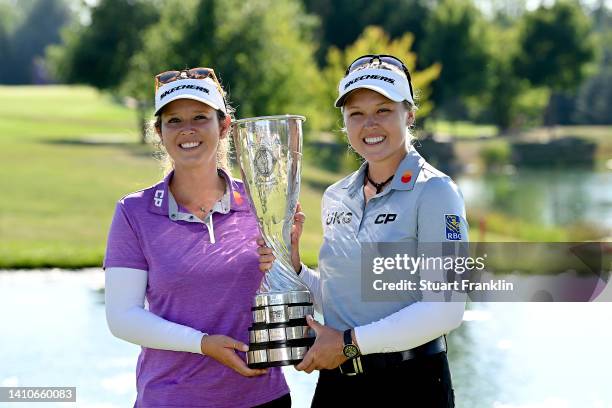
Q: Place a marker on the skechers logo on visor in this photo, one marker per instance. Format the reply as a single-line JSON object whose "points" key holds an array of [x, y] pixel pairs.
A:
{"points": [[177, 88], [370, 76]]}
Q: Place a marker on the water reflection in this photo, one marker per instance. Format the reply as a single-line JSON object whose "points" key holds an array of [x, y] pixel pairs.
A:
{"points": [[549, 197], [533, 355], [54, 333]]}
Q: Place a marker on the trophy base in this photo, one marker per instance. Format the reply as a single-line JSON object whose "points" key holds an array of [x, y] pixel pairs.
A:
{"points": [[280, 335], [278, 354], [274, 364]]}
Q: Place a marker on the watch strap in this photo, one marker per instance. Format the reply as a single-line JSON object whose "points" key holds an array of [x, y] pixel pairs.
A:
{"points": [[350, 349], [348, 339]]}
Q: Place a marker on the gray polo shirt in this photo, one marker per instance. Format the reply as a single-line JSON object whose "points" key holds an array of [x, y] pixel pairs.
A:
{"points": [[420, 205]]}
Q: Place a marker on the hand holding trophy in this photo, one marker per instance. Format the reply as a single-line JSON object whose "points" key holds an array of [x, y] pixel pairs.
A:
{"points": [[269, 153]]}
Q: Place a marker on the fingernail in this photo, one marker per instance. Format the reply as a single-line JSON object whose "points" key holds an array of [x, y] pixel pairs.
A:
{"points": [[309, 317]]}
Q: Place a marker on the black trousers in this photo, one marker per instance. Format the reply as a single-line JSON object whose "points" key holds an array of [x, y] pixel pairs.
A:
{"points": [[282, 402], [420, 382]]}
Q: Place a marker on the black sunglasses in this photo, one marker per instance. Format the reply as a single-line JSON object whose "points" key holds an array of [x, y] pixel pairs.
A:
{"points": [[388, 59]]}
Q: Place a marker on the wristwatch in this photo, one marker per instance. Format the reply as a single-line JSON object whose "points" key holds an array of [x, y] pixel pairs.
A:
{"points": [[350, 349]]}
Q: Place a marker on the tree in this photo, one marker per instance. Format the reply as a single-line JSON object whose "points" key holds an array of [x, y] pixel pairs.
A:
{"points": [[98, 54], [503, 92], [507, 100], [262, 49], [503, 12], [456, 37], [374, 40], [556, 45], [11, 14], [343, 21], [5, 53], [40, 27], [594, 102]]}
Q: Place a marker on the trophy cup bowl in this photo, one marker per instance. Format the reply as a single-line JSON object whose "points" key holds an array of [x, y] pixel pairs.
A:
{"points": [[269, 154]]}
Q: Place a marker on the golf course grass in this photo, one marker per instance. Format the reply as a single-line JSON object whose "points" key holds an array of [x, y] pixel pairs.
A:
{"points": [[68, 154]]}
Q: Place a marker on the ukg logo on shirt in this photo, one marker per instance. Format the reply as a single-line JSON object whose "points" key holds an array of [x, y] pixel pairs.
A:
{"points": [[339, 217]]}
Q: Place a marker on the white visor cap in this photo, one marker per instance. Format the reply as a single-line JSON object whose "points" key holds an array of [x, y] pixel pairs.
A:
{"points": [[390, 84], [202, 90]]}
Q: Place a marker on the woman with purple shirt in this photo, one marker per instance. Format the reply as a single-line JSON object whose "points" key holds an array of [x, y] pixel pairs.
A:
{"points": [[186, 245]]}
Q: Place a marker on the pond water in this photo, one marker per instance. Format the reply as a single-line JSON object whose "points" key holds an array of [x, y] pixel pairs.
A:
{"points": [[548, 197], [505, 355]]}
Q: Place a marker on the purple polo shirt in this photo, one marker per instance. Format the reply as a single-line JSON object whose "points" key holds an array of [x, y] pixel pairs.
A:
{"points": [[204, 283]]}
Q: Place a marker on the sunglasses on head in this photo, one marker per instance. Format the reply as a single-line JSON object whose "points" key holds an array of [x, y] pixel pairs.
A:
{"points": [[166, 77], [388, 59], [193, 73]]}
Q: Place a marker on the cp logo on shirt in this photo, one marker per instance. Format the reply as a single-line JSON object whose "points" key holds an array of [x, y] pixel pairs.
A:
{"points": [[385, 218], [453, 227]]}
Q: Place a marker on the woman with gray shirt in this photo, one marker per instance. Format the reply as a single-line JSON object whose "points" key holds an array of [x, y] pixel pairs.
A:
{"points": [[395, 349]]}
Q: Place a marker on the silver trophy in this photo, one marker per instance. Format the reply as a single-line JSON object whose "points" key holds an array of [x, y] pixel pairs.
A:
{"points": [[269, 153]]}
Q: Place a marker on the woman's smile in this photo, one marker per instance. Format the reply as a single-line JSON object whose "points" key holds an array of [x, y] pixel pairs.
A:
{"points": [[374, 140], [190, 145]]}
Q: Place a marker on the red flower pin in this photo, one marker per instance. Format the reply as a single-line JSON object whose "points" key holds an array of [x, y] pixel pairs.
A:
{"points": [[406, 177]]}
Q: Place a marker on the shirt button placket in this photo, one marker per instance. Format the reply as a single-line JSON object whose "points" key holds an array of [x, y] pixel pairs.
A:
{"points": [[208, 226]]}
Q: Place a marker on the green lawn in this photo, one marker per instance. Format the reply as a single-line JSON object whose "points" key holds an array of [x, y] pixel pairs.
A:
{"points": [[467, 130], [460, 129], [59, 184], [68, 154]]}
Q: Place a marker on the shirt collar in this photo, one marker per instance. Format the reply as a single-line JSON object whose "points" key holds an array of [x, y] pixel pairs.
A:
{"points": [[408, 171], [234, 198], [355, 180], [237, 195], [404, 178], [174, 212]]}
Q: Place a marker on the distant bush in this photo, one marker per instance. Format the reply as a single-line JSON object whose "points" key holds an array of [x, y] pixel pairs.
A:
{"points": [[495, 155], [523, 230]]}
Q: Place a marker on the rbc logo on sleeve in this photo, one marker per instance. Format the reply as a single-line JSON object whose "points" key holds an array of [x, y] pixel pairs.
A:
{"points": [[453, 227]]}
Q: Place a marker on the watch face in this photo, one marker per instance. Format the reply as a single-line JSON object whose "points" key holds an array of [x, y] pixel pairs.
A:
{"points": [[350, 351]]}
